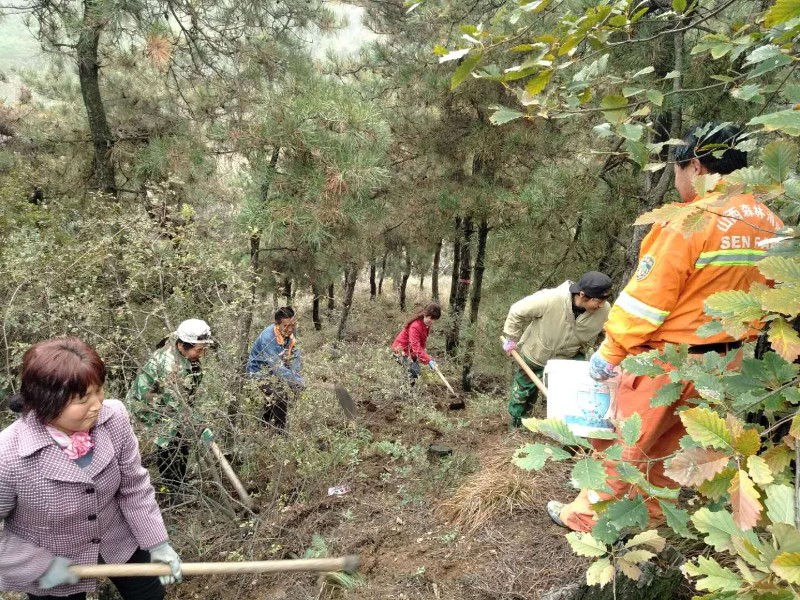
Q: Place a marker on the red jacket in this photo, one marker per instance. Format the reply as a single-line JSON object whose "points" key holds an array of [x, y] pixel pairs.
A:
{"points": [[411, 341]]}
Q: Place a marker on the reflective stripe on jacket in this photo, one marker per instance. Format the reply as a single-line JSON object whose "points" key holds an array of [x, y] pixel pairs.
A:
{"points": [[663, 302]]}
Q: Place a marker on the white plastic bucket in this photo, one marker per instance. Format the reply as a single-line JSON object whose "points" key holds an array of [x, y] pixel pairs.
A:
{"points": [[576, 398]]}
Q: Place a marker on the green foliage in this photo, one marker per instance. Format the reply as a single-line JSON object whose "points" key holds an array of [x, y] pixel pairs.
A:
{"points": [[585, 545], [667, 395], [713, 577], [503, 115], [677, 519], [631, 429], [707, 428], [780, 504], [589, 474], [779, 158], [628, 513], [557, 430], [533, 457]]}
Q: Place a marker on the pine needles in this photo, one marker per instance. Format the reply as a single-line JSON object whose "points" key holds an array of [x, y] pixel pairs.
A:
{"points": [[499, 488]]}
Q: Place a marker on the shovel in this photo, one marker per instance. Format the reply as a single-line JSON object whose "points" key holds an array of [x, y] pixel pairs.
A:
{"points": [[524, 366], [208, 440], [458, 403], [343, 563]]}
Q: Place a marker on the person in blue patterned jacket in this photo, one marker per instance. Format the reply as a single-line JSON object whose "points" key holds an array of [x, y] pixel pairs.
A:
{"points": [[276, 363]]}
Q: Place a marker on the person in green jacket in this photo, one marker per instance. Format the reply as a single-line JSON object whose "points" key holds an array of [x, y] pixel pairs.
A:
{"points": [[553, 323], [161, 395]]}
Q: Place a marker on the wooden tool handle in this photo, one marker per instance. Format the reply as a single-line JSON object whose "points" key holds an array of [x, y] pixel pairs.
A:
{"points": [[229, 473], [342, 563], [447, 383], [524, 366]]}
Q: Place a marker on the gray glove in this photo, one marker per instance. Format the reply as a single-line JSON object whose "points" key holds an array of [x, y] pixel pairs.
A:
{"points": [[58, 574], [165, 554]]}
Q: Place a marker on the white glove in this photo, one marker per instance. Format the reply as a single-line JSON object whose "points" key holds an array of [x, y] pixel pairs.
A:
{"points": [[58, 574], [166, 554]]}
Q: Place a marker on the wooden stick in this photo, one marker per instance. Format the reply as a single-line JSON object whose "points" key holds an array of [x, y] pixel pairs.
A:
{"points": [[228, 470], [208, 439], [524, 366], [226, 505], [342, 563], [447, 383]]}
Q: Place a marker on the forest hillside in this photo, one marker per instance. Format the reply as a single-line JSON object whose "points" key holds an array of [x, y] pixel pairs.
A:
{"points": [[165, 160]]}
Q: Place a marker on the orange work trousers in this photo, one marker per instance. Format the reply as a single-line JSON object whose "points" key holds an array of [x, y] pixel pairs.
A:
{"points": [[661, 431]]}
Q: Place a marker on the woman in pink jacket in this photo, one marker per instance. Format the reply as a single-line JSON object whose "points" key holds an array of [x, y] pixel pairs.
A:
{"points": [[72, 486], [409, 345]]}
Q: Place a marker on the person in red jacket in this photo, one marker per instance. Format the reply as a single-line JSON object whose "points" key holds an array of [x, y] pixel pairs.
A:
{"points": [[409, 345]]}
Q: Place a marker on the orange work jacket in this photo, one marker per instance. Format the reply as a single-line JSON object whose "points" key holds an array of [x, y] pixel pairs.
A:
{"points": [[663, 302]]}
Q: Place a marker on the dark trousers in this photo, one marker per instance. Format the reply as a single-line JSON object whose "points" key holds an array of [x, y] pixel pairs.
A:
{"points": [[172, 462], [130, 588], [411, 366], [276, 404]]}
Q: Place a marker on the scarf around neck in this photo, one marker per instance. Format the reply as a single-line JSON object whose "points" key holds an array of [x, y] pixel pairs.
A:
{"points": [[74, 446], [282, 341]]}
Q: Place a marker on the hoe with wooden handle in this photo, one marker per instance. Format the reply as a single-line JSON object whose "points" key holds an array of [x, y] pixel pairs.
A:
{"points": [[342, 563], [208, 440], [524, 366], [458, 403]]}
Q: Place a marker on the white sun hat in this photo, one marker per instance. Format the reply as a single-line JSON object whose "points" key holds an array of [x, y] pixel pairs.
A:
{"points": [[194, 331]]}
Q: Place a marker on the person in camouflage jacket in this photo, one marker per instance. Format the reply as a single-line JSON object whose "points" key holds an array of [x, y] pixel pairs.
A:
{"points": [[161, 395]]}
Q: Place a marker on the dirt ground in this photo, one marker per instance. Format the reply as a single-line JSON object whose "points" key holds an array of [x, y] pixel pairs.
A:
{"points": [[401, 515], [468, 525]]}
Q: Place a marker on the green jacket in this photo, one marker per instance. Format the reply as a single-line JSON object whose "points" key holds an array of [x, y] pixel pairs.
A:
{"points": [[160, 396], [544, 326]]}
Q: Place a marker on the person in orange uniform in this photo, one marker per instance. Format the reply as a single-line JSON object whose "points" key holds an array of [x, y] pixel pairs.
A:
{"points": [[663, 303]]}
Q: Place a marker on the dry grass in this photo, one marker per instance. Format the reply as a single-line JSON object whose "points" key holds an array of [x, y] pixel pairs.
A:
{"points": [[496, 490]]}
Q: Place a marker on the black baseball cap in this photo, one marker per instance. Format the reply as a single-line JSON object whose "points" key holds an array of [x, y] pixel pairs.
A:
{"points": [[593, 284]]}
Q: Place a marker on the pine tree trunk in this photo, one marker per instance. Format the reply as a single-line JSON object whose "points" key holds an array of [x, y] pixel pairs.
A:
{"points": [[474, 305], [287, 290], [404, 281], [253, 272], [349, 289], [437, 257], [315, 306], [331, 300], [422, 281], [456, 261], [383, 272], [373, 288], [89, 76], [459, 300], [397, 274]]}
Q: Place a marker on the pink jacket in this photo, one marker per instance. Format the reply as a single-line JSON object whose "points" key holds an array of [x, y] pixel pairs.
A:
{"points": [[51, 507], [411, 341]]}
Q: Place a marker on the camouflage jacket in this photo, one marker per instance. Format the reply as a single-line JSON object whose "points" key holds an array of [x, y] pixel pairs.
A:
{"points": [[161, 394]]}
